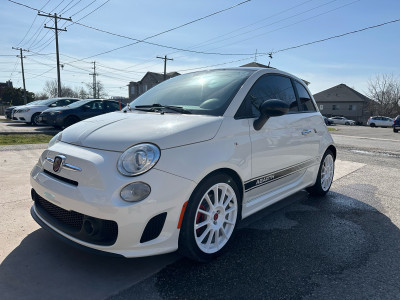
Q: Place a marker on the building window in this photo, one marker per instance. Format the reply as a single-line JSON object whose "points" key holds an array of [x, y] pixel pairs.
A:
{"points": [[132, 90], [321, 107], [335, 107], [144, 88], [352, 107]]}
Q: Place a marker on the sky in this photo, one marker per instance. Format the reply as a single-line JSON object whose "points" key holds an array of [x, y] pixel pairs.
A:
{"points": [[227, 33]]}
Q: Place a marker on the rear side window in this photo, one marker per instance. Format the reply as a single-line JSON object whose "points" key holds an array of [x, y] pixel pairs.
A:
{"points": [[268, 87], [306, 103], [112, 106]]}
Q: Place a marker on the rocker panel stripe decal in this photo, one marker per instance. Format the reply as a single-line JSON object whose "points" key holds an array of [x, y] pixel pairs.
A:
{"points": [[271, 177]]}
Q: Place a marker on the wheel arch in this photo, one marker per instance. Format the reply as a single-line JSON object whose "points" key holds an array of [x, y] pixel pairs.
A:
{"points": [[231, 173], [334, 151]]}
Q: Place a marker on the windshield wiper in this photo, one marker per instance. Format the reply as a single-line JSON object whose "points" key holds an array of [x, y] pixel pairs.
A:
{"points": [[157, 106]]}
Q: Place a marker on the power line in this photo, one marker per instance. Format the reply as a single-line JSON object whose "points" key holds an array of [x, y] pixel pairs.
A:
{"points": [[337, 36], [298, 46], [56, 29], [157, 34], [51, 39], [292, 24], [22, 69], [165, 58]]}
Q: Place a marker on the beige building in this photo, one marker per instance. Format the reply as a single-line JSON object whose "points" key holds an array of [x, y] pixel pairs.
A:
{"points": [[344, 101]]}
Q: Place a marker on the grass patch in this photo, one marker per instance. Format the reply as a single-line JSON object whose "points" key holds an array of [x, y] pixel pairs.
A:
{"points": [[16, 139], [332, 129]]}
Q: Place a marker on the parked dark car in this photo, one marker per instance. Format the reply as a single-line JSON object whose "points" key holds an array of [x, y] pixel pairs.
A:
{"points": [[327, 121], [77, 111], [8, 111], [396, 124]]}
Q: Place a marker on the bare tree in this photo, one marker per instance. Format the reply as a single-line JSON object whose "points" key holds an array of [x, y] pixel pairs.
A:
{"points": [[100, 90], [384, 89], [50, 90]]}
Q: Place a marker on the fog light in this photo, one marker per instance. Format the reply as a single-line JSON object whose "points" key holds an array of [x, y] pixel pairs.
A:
{"points": [[136, 191]]}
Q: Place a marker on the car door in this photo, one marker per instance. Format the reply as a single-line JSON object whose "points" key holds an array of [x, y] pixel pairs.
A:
{"points": [[285, 146], [111, 106], [92, 109]]}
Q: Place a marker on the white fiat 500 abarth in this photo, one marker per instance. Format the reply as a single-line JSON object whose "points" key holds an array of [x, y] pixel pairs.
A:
{"points": [[181, 165]]}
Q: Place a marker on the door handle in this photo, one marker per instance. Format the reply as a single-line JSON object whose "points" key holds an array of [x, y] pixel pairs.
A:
{"points": [[305, 132]]}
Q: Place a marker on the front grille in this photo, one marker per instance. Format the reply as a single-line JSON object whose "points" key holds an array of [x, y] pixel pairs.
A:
{"points": [[86, 228], [70, 219], [63, 179]]}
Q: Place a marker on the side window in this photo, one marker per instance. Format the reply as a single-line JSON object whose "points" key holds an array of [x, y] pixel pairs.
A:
{"points": [[57, 103], [96, 105], [268, 87], [112, 106], [306, 103]]}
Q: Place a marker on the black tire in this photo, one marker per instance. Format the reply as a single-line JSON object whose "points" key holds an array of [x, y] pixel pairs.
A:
{"points": [[347, 123], [372, 124], [35, 119], [318, 189], [70, 121], [395, 130], [218, 217]]}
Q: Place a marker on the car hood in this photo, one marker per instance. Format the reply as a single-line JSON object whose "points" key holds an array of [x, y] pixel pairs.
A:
{"points": [[118, 131]]}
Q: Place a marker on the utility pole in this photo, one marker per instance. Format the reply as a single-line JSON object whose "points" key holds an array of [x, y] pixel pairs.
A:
{"points": [[165, 65], [22, 67], [56, 29], [94, 80]]}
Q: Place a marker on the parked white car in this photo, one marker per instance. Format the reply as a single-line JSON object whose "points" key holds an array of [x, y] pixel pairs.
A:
{"points": [[183, 164], [379, 121], [30, 113], [342, 121]]}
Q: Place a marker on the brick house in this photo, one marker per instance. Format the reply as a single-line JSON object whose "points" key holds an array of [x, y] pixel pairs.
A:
{"points": [[148, 81], [344, 101]]}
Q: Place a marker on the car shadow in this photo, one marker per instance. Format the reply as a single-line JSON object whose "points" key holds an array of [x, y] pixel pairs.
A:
{"points": [[300, 248], [34, 129], [43, 267]]}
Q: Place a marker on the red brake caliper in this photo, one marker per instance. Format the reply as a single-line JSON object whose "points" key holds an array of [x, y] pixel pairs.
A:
{"points": [[200, 218]]}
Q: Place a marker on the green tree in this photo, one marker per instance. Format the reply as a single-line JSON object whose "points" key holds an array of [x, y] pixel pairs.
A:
{"points": [[16, 96]]}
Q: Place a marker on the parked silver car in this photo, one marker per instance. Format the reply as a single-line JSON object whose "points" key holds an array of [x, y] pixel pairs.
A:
{"points": [[342, 121], [379, 121]]}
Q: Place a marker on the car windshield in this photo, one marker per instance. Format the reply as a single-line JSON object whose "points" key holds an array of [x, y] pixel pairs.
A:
{"points": [[37, 102], [46, 102], [79, 103], [203, 93]]}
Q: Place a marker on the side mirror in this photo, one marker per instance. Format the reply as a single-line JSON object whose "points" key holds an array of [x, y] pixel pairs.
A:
{"points": [[270, 108]]}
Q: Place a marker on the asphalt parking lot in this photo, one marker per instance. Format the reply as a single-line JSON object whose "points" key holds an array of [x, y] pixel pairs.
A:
{"points": [[8, 127], [345, 246]]}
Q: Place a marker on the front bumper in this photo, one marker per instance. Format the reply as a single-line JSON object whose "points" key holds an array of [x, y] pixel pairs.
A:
{"points": [[95, 193], [52, 120], [22, 117]]}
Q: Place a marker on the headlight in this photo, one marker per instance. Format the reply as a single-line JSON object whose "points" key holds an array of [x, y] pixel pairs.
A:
{"points": [[55, 113], [55, 139], [138, 159], [24, 110]]}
